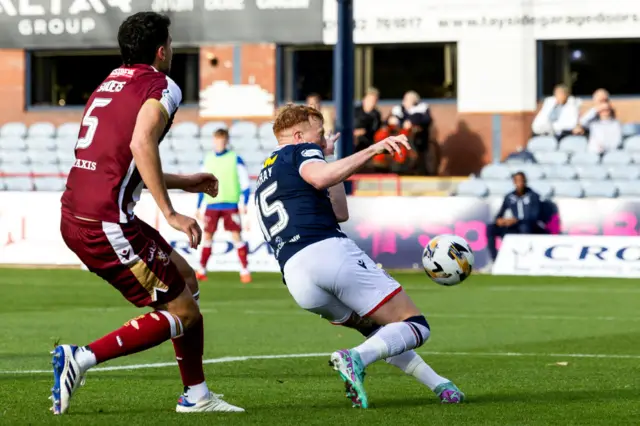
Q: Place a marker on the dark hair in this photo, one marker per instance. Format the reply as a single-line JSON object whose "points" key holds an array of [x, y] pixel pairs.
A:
{"points": [[221, 133], [513, 176], [141, 35]]}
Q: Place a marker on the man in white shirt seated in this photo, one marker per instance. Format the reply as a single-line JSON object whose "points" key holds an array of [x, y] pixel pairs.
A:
{"points": [[605, 132], [600, 101], [559, 114]]}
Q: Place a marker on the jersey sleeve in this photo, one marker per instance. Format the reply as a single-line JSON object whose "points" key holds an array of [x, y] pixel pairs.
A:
{"points": [[305, 154], [167, 93]]}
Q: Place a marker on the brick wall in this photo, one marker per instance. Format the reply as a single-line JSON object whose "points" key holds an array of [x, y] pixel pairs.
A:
{"points": [[465, 139]]}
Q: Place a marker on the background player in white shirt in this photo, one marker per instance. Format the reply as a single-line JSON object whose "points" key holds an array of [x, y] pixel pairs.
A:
{"points": [[300, 200]]}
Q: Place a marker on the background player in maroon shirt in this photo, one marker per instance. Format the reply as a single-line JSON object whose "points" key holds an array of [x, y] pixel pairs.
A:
{"points": [[116, 156]]}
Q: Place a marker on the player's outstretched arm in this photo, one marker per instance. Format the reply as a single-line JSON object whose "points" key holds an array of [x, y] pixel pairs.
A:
{"points": [[325, 175], [338, 198]]}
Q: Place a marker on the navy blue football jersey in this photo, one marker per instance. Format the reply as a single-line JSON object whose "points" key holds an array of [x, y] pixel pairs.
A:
{"points": [[293, 214]]}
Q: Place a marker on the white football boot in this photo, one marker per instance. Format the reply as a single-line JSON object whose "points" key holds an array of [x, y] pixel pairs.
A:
{"points": [[209, 403]]}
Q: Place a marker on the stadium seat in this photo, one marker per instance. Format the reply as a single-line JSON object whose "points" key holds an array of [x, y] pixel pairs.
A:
{"points": [[68, 131], [49, 169], [41, 144], [168, 157], [42, 157], [599, 189], [208, 129], [243, 129], [632, 144], [616, 158], [627, 188], [592, 172], [17, 130], [472, 188], [242, 145], [499, 188], [265, 130], [14, 169], [568, 188], [495, 171], [630, 129], [18, 183], [41, 130], [555, 157], [171, 168], [561, 172], [625, 173], [67, 144], [585, 158], [49, 184], [531, 171], [269, 143], [253, 156], [542, 144], [14, 157], [253, 167], [635, 156], [66, 156], [188, 168], [185, 144], [65, 166], [541, 187], [3, 187], [573, 144], [186, 129], [12, 144], [192, 157]]}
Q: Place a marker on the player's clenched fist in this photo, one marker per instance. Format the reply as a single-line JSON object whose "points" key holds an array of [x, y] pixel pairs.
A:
{"points": [[392, 145], [187, 225], [202, 182]]}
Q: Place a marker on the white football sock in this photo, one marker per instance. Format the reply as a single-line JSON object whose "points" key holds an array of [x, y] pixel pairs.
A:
{"points": [[413, 364], [85, 358], [392, 339], [196, 392]]}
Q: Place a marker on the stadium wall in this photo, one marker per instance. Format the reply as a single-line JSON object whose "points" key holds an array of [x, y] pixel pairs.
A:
{"points": [[27, 237]]}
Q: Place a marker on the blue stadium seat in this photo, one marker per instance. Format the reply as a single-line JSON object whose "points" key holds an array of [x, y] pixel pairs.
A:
{"points": [[65, 156], [12, 144], [269, 143], [632, 144], [208, 129], [531, 171], [567, 188], [573, 144], [592, 173], [185, 144], [171, 168], [49, 184], [65, 166], [495, 171], [630, 129], [41, 130], [555, 157], [243, 145], [41, 144], [168, 157], [68, 144], [253, 157], [191, 157], [616, 158], [68, 130], [42, 157], [243, 129], [18, 130], [186, 129], [265, 131], [561, 172], [542, 144], [14, 157], [625, 173], [472, 188], [50, 168], [627, 188], [14, 168], [585, 158], [599, 189], [542, 187], [499, 188], [18, 183]]}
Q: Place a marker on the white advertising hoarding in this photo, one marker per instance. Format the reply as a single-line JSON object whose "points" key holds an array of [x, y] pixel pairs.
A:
{"points": [[30, 233], [569, 256]]}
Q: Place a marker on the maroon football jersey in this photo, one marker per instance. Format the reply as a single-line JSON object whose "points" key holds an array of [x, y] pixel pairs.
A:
{"points": [[104, 183]]}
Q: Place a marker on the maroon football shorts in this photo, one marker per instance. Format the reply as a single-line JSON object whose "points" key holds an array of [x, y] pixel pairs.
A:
{"points": [[230, 219], [133, 257]]}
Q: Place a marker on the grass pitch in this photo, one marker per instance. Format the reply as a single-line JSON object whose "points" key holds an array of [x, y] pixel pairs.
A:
{"points": [[526, 351]]}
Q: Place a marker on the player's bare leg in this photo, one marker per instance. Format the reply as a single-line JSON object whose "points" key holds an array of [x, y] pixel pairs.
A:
{"points": [[409, 362], [243, 252], [207, 241], [189, 349], [403, 328]]}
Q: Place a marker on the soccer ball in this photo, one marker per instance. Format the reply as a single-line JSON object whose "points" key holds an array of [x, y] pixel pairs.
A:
{"points": [[448, 259]]}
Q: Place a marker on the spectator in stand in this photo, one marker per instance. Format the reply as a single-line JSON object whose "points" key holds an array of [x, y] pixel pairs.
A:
{"points": [[520, 213], [414, 117], [605, 132], [314, 100], [600, 98], [559, 114], [367, 120], [522, 156]]}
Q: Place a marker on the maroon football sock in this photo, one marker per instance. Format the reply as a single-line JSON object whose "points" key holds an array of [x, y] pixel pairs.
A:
{"points": [[189, 349]]}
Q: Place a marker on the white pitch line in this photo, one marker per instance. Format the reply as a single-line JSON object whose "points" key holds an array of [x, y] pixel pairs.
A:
{"points": [[319, 354]]}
